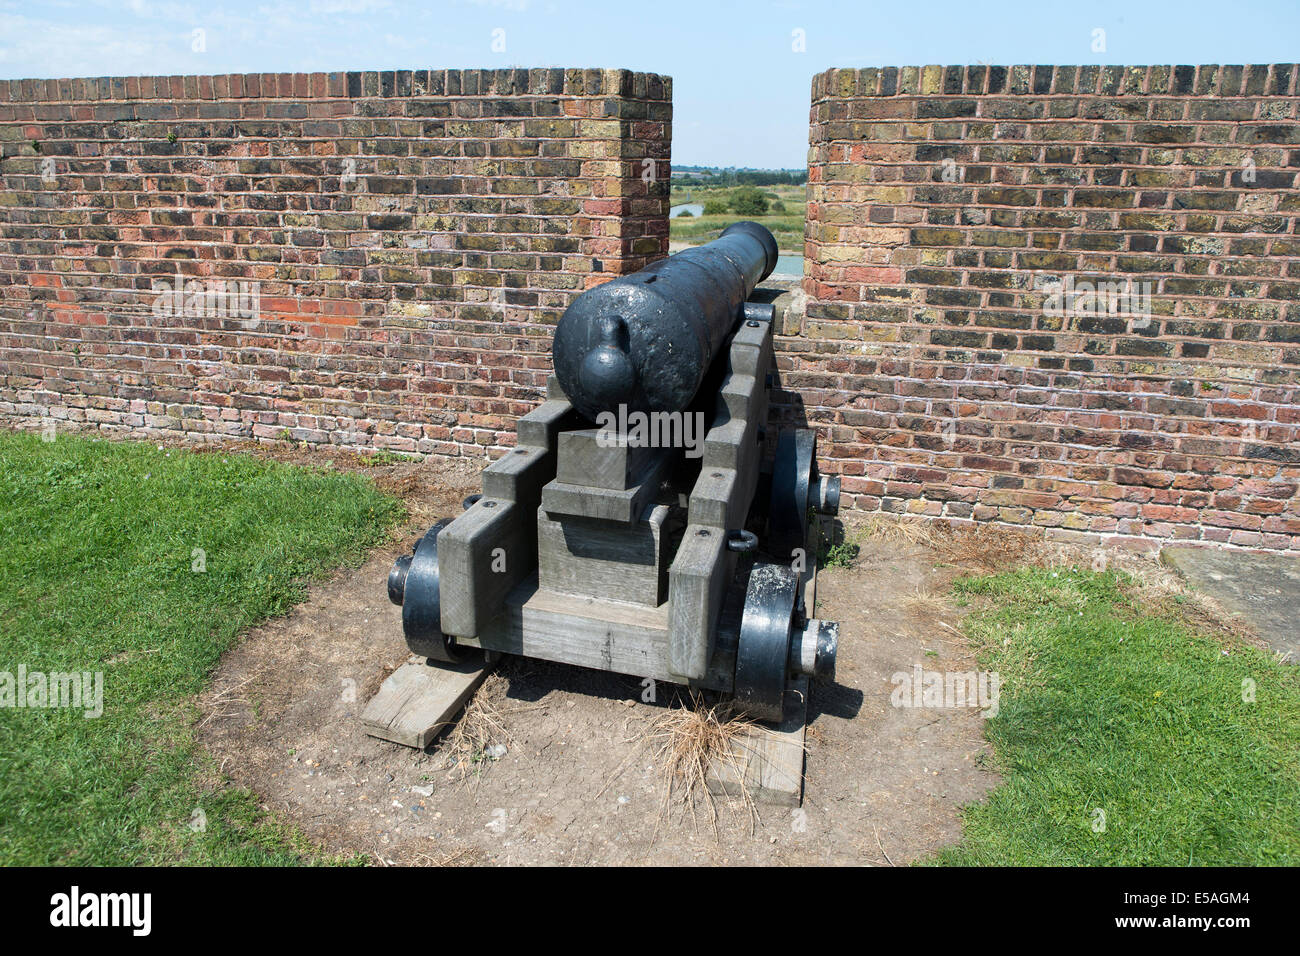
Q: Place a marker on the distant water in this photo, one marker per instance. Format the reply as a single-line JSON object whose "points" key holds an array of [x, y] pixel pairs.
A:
{"points": [[688, 209], [785, 265], [788, 266]]}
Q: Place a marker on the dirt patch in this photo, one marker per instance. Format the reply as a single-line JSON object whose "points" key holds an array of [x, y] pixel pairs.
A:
{"points": [[558, 764], [580, 779], [582, 776]]}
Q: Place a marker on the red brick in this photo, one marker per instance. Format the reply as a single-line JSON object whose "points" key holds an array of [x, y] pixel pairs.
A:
{"points": [[334, 336], [1202, 397]]}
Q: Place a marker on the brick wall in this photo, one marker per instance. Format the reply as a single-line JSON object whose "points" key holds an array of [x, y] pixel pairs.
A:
{"points": [[413, 236], [942, 355]]}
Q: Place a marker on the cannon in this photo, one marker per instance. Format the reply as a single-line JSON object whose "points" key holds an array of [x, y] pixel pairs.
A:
{"points": [[633, 528], [647, 340]]}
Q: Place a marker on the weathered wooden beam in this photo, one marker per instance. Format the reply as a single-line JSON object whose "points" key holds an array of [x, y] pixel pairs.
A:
{"points": [[519, 476], [767, 762], [697, 581], [592, 458], [601, 634], [482, 555], [419, 700], [583, 501], [719, 502], [541, 427], [603, 559]]}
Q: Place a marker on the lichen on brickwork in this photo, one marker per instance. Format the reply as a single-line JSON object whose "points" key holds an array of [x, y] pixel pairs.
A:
{"points": [[413, 236], [1175, 418]]}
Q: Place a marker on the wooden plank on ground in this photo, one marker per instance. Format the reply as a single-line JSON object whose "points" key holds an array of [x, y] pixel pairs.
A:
{"points": [[419, 700], [769, 760]]}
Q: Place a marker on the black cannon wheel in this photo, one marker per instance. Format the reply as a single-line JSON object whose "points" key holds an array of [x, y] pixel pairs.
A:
{"points": [[413, 583], [763, 652], [794, 472]]}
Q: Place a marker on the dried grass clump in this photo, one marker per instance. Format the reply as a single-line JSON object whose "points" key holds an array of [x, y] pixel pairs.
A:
{"points": [[927, 603], [899, 530], [481, 724], [1160, 590], [691, 739], [989, 548]]}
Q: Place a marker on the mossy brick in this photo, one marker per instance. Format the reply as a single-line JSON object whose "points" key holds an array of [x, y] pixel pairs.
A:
{"points": [[1158, 137], [936, 237]]}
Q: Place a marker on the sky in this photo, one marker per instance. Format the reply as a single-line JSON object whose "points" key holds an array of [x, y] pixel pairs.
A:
{"points": [[741, 69]]}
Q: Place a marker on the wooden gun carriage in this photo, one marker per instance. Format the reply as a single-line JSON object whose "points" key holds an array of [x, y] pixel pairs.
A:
{"points": [[631, 529]]}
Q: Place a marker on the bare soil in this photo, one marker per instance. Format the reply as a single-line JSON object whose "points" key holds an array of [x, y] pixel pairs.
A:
{"points": [[580, 780]]}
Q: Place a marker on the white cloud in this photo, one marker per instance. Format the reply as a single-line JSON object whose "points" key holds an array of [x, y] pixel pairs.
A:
{"points": [[154, 37], [331, 7], [518, 6], [49, 48]]}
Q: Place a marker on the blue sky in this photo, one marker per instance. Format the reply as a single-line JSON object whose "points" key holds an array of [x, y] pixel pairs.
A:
{"points": [[741, 81]]}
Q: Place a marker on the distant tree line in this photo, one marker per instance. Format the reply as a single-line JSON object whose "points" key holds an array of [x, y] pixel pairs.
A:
{"points": [[742, 177]]}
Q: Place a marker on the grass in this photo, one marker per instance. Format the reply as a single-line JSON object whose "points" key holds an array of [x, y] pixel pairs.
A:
{"points": [[1112, 705], [383, 457], [837, 546], [787, 227], [100, 572], [480, 725], [691, 737]]}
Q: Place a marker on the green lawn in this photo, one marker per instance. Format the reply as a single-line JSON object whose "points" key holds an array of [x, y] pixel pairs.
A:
{"points": [[1106, 706], [787, 227], [98, 573]]}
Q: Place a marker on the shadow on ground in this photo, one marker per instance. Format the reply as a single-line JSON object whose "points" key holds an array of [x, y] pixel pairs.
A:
{"points": [[579, 781]]}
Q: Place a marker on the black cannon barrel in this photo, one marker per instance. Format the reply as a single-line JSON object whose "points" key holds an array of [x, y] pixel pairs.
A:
{"points": [[645, 341]]}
